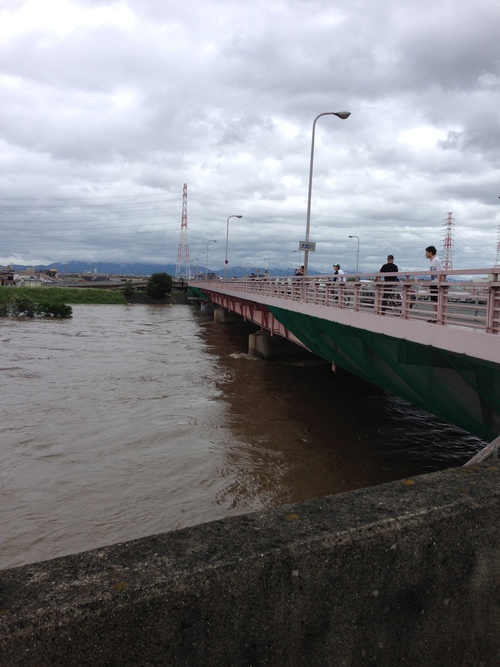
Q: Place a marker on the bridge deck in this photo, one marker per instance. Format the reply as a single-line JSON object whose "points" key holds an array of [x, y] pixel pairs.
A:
{"points": [[465, 317]]}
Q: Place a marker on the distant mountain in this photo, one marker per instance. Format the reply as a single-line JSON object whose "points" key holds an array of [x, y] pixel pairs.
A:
{"points": [[135, 269], [74, 266]]}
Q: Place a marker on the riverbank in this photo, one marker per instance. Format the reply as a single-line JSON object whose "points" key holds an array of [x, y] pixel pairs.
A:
{"points": [[81, 295], [178, 298], [70, 295]]}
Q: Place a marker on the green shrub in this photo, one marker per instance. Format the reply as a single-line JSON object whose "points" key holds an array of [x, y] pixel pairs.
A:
{"points": [[56, 310], [129, 290], [66, 295], [159, 285], [21, 303]]}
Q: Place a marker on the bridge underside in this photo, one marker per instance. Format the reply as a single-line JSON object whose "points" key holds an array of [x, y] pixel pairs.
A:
{"points": [[459, 388], [255, 312]]}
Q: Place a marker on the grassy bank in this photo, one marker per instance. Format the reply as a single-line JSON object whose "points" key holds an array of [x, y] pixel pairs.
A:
{"points": [[70, 295]]}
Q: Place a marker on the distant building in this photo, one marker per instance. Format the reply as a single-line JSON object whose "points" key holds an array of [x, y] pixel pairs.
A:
{"points": [[7, 277], [31, 281]]}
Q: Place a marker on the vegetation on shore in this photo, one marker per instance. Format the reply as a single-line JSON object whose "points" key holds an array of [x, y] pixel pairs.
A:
{"points": [[53, 301], [73, 295], [159, 285], [19, 303]]}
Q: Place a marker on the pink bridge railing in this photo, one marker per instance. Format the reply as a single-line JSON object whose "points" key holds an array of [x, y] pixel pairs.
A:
{"points": [[467, 298]]}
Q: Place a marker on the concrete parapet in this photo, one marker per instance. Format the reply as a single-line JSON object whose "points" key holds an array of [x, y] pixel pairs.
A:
{"points": [[406, 573]]}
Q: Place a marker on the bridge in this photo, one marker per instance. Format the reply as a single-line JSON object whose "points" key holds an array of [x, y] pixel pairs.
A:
{"points": [[432, 342]]}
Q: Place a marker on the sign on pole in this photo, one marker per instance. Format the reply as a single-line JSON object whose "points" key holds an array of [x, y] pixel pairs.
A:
{"points": [[310, 246]]}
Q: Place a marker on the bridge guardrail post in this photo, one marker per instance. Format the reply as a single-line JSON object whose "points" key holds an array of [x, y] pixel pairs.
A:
{"points": [[405, 301], [442, 309], [493, 307], [378, 298]]}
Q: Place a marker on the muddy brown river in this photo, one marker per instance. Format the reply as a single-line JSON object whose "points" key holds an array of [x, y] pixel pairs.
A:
{"points": [[126, 421]]}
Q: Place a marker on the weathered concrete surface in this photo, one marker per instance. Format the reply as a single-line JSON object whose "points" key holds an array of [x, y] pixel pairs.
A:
{"points": [[265, 346], [226, 316], [406, 573], [208, 307]]}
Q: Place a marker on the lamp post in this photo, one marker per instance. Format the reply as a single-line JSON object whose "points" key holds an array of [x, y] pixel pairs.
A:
{"points": [[266, 259], [202, 252], [206, 257], [227, 237], [353, 236], [342, 115]]}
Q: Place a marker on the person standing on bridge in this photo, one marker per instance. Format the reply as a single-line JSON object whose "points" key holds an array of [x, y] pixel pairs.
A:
{"points": [[389, 267], [435, 265], [338, 276], [299, 272], [338, 273]]}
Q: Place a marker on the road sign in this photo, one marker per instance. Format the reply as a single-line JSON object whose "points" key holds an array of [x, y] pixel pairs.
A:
{"points": [[310, 246]]}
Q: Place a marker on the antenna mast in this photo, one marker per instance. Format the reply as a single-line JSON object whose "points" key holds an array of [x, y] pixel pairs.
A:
{"points": [[182, 269]]}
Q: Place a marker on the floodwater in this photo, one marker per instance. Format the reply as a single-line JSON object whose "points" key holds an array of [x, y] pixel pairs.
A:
{"points": [[127, 421]]}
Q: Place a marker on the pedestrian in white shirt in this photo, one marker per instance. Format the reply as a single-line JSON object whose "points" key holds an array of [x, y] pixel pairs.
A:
{"points": [[435, 265]]}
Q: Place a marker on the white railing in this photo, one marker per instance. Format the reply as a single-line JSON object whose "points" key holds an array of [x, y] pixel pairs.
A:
{"points": [[466, 298]]}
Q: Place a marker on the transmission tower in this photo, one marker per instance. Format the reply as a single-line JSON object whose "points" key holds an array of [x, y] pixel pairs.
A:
{"points": [[448, 243], [182, 269], [497, 260]]}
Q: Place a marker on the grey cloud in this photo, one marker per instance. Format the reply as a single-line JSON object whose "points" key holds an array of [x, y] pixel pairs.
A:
{"points": [[222, 96]]}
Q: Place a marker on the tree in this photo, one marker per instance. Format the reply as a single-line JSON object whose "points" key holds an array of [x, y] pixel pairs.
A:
{"points": [[129, 290], [21, 304], [159, 285]]}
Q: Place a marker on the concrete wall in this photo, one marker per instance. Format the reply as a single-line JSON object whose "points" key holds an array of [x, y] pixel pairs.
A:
{"points": [[406, 573]]}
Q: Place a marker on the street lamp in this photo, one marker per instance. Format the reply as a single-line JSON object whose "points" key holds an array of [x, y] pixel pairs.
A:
{"points": [[202, 252], [342, 115], [227, 237], [206, 257], [353, 236], [266, 259]]}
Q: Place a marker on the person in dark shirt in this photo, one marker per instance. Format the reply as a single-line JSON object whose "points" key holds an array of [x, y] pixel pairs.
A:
{"points": [[299, 272], [389, 267]]}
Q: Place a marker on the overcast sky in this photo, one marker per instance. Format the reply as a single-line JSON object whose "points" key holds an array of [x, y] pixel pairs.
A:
{"points": [[108, 108]]}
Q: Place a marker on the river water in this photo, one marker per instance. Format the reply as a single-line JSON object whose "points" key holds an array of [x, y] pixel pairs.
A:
{"points": [[127, 421]]}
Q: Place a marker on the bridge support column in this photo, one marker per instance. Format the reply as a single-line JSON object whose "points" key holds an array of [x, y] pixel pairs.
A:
{"points": [[208, 307], [265, 346], [226, 316]]}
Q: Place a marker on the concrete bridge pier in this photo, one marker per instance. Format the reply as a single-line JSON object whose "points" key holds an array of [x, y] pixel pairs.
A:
{"points": [[265, 346], [208, 307], [226, 316]]}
